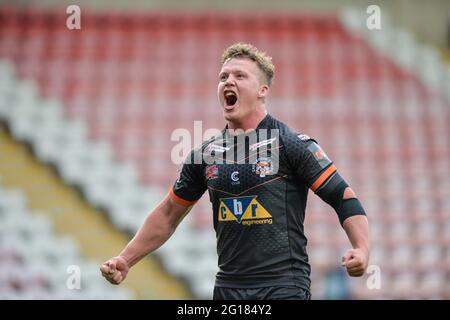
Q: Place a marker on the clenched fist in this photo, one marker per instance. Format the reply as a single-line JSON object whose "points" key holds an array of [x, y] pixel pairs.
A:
{"points": [[115, 269], [356, 261]]}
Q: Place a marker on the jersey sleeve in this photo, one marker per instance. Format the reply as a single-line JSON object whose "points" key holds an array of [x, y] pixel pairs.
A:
{"points": [[190, 185], [309, 162]]}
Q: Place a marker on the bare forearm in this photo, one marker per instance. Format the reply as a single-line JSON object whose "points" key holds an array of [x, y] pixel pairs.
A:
{"points": [[357, 229], [155, 231]]}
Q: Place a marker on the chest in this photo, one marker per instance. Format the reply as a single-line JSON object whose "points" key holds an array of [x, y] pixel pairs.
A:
{"points": [[234, 178]]}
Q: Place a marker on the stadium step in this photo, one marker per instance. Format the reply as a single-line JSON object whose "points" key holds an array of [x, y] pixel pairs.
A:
{"points": [[73, 216]]}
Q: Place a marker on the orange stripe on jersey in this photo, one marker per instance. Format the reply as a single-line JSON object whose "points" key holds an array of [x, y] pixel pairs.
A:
{"points": [[324, 176], [179, 200]]}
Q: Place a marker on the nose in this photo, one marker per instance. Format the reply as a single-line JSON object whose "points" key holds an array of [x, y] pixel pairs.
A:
{"points": [[229, 81]]}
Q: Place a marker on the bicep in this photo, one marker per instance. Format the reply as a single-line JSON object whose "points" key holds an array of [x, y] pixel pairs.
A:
{"points": [[308, 162], [172, 211], [178, 211], [337, 193], [320, 174]]}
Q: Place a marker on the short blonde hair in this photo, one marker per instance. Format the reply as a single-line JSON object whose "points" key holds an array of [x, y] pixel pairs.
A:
{"points": [[245, 50]]}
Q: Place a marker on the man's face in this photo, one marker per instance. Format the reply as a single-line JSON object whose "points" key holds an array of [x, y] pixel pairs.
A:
{"points": [[240, 87]]}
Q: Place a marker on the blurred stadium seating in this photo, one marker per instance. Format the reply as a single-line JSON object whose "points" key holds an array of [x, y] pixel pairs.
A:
{"points": [[101, 103], [34, 262]]}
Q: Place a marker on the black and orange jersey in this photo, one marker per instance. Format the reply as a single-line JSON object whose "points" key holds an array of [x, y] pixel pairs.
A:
{"points": [[258, 199]]}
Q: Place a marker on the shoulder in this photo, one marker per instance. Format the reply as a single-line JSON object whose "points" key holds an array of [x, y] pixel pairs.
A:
{"points": [[213, 144], [197, 154], [290, 137]]}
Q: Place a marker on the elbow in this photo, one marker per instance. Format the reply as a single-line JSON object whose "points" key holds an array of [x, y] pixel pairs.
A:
{"points": [[350, 206]]}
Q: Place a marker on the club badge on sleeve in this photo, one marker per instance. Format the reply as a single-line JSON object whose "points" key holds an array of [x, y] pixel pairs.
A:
{"points": [[319, 155]]}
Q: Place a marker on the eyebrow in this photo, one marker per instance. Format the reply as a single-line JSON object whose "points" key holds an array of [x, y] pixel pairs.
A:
{"points": [[232, 71]]}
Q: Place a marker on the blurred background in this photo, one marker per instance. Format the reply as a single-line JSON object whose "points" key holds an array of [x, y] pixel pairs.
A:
{"points": [[86, 117]]}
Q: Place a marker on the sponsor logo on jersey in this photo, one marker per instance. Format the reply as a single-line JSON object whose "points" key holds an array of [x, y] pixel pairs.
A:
{"points": [[235, 178], [212, 172], [255, 146], [303, 137], [216, 148], [263, 167], [243, 210]]}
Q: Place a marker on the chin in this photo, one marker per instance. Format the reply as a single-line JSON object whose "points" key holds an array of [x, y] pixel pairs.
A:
{"points": [[231, 116]]}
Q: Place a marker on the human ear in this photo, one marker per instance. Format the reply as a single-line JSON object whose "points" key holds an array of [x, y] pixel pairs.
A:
{"points": [[263, 90]]}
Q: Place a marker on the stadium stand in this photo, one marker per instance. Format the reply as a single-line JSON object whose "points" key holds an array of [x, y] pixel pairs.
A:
{"points": [[71, 215], [114, 92], [34, 261]]}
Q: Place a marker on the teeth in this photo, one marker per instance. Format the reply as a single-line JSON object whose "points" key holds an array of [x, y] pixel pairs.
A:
{"points": [[229, 93]]}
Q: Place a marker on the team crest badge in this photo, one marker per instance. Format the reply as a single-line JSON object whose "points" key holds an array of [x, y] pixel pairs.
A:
{"points": [[263, 167], [212, 172], [320, 155]]}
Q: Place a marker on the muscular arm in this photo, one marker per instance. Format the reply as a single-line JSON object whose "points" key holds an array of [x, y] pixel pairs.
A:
{"points": [[157, 228], [354, 221], [322, 177]]}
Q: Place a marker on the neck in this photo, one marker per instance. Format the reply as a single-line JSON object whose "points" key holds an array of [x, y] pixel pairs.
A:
{"points": [[250, 122]]}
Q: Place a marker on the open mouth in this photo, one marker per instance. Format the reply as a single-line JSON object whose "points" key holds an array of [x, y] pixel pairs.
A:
{"points": [[230, 98]]}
